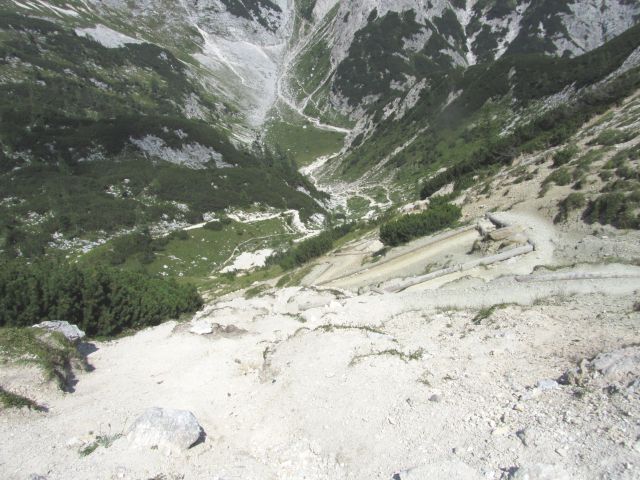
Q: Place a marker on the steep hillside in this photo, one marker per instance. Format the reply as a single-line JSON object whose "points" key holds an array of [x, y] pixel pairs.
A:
{"points": [[427, 86]]}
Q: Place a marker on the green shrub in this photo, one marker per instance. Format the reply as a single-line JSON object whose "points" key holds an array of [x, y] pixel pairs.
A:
{"points": [[612, 137], [564, 156], [615, 209], [310, 248], [218, 225], [439, 215], [560, 177], [102, 301], [572, 202]]}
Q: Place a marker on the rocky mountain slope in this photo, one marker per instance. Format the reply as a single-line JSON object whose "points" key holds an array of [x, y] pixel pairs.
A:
{"points": [[110, 124], [387, 365], [177, 93], [504, 346]]}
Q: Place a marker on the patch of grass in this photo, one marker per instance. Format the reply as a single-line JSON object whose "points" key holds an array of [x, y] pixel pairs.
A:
{"points": [[283, 280], [255, 291], [298, 275], [299, 138], [51, 352], [13, 400], [560, 177]]}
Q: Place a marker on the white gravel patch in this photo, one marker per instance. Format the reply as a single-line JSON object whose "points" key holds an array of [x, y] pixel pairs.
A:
{"points": [[107, 37]]}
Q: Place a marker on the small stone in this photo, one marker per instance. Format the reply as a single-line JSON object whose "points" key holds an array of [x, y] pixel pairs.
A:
{"points": [[500, 431], [548, 384], [435, 398], [201, 327], [519, 407], [524, 437]]}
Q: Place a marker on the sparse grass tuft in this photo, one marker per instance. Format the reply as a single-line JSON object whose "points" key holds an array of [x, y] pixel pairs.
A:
{"points": [[104, 441], [405, 357], [366, 328], [51, 352], [486, 312]]}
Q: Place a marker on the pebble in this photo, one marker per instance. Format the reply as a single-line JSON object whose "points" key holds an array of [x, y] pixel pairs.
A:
{"points": [[500, 431]]}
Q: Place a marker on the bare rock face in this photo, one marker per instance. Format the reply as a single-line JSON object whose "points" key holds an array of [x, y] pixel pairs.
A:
{"points": [[616, 370], [71, 332], [170, 431], [207, 327]]}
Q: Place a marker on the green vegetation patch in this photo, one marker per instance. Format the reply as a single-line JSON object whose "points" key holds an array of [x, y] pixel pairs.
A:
{"points": [[618, 209], [438, 216], [99, 300], [612, 137], [572, 202], [310, 248], [290, 133], [564, 156]]}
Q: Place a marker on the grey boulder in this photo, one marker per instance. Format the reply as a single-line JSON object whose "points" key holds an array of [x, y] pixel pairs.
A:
{"points": [[170, 431], [71, 332]]}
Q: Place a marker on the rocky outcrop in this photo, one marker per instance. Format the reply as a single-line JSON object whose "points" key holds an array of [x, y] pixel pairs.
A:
{"points": [[170, 431], [614, 371], [70, 332]]}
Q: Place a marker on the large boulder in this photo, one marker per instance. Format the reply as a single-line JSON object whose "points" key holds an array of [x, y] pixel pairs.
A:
{"points": [[170, 431], [71, 332]]}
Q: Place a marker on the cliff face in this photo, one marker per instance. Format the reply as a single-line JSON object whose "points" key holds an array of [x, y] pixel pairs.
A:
{"points": [[355, 35], [253, 51]]}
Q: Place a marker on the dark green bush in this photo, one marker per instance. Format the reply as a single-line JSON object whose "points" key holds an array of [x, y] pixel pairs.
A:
{"points": [[559, 177], [310, 248], [218, 225], [100, 300], [572, 202], [615, 209], [439, 215], [565, 155]]}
